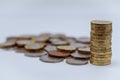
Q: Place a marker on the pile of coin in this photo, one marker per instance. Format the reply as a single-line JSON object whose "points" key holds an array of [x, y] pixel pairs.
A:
{"points": [[101, 34], [51, 48]]}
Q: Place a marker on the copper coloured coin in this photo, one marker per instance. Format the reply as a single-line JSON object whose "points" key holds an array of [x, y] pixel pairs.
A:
{"points": [[66, 48], [85, 50], [35, 54], [59, 54], [34, 46], [49, 59], [73, 61], [80, 55], [85, 40]]}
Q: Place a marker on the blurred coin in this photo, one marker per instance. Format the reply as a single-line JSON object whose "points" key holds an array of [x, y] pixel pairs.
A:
{"points": [[59, 43], [50, 48], [23, 42], [49, 59], [79, 45], [66, 48], [59, 54], [85, 50], [40, 38], [78, 55], [35, 54], [34, 46], [85, 40], [73, 61], [7, 44]]}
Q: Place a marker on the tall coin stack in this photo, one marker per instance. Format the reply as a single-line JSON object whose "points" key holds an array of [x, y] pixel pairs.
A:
{"points": [[101, 35]]}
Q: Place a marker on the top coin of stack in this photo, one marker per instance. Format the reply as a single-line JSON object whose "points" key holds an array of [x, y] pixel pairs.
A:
{"points": [[101, 34]]}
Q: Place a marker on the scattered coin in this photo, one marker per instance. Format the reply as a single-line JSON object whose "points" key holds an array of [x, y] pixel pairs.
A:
{"points": [[23, 42], [73, 61], [85, 40], [85, 50], [66, 48], [40, 38], [59, 43], [80, 55], [34, 46], [50, 48], [49, 59], [7, 44], [35, 54], [59, 54]]}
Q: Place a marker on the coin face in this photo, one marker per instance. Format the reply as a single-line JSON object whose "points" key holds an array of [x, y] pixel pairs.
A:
{"points": [[85, 40], [23, 42], [34, 46], [66, 48], [59, 54], [80, 55], [49, 59], [73, 61], [50, 48], [85, 50], [35, 54]]}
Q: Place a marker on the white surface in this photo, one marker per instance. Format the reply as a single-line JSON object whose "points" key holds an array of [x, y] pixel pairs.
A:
{"points": [[71, 17]]}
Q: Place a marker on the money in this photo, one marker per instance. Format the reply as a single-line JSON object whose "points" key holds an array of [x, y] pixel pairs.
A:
{"points": [[101, 34], [73, 61], [66, 48]]}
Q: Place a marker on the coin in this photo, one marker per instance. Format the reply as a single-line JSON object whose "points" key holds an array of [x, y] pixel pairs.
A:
{"points": [[85, 50], [7, 44], [66, 48], [59, 54], [73, 61], [35, 54], [78, 55], [40, 38], [20, 50], [85, 40], [79, 45], [60, 36], [101, 63], [34, 46], [12, 38], [103, 55], [23, 42], [25, 37], [50, 48], [49, 59], [59, 43]]}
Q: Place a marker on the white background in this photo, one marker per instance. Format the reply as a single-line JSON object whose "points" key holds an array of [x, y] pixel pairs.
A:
{"points": [[71, 17]]}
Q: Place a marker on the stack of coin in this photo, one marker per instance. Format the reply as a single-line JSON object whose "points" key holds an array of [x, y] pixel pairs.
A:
{"points": [[101, 34]]}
